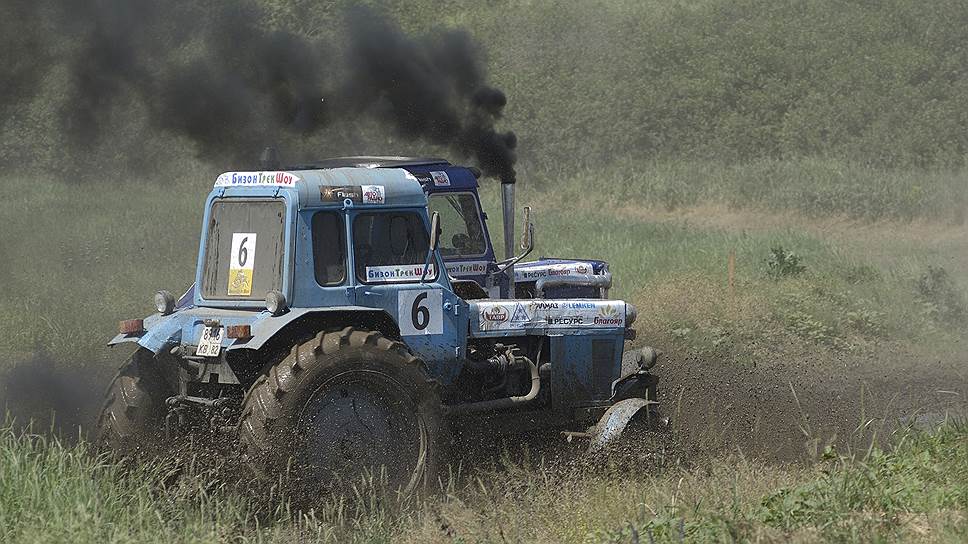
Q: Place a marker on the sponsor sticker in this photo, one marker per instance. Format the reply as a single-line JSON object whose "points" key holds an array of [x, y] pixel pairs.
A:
{"points": [[374, 194], [341, 193], [468, 268], [496, 314], [241, 264], [520, 314], [441, 179], [398, 273], [280, 179], [534, 271], [551, 314], [609, 316], [565, 320], [578, 305], [363, 194]]}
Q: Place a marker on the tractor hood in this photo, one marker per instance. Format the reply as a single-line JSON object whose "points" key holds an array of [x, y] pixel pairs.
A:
{"points": [[545, 267], [496, 318]]}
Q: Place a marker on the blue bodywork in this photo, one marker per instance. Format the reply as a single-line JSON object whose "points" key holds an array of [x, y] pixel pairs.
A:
{"points": [[402, 193], [579, 331]]}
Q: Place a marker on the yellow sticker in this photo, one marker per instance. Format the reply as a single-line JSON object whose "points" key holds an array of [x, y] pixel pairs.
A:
{"points": [[240, 269]]}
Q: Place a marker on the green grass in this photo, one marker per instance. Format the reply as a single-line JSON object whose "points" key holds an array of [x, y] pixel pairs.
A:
{"points": [[662, 137], [856, 290], [50, 492], [76, 258]]}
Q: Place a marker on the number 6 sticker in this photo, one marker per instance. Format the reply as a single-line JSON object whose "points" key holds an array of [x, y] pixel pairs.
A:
{"points": [[420, 312], [240, 268]]}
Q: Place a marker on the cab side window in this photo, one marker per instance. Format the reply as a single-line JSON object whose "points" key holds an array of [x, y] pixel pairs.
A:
{"points": [[329, 248]]}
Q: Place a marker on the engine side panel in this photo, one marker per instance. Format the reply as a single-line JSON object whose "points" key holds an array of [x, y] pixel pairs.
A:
{"points": [[503, 318]]}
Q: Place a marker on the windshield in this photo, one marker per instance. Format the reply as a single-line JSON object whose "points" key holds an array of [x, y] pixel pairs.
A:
{"points": [[244, 249], [391, 247], [462, 233]]}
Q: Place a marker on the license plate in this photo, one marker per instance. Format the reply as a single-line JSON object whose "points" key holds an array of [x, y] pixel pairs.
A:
{"points": [[210, 344]]}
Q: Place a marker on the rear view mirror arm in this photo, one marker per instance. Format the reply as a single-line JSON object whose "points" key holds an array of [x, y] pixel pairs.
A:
{"points": [[508, 263], [432, 247]]}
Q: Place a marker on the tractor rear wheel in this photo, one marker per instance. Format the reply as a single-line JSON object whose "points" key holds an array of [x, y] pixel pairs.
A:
{"points": [[132, 417], [340, 406]]}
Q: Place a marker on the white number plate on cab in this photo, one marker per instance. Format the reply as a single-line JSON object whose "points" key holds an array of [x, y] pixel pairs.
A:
{"points": [[210, 344]]}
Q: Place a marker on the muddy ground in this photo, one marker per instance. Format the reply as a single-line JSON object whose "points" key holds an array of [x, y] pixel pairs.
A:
{"points": [[790, 409]]}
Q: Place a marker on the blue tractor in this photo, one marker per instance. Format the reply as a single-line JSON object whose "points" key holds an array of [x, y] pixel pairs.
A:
{"points": [[328, 333]]}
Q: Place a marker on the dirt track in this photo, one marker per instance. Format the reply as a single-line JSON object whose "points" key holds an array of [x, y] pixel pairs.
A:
{"points": [[790, 409]]}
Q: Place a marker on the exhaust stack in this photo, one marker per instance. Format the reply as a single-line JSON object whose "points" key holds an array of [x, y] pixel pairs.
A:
{"points": [[507, 200]]}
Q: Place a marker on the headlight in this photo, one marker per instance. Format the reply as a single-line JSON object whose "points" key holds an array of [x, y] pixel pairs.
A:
{"points": [[275, 302], [630, 314], [164, 302]]}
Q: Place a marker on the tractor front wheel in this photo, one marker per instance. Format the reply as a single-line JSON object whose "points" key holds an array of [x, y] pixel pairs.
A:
{"points": [[132, 418], [343, 405]]}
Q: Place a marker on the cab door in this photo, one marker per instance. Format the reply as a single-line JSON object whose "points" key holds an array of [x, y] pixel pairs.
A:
{"points": [[389, 256]]}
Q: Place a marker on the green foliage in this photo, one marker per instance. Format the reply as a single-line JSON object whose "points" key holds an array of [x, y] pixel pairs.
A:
{"points": [[866, 321], [874, 494], [50, 492], [862, 273], [783, 263]]}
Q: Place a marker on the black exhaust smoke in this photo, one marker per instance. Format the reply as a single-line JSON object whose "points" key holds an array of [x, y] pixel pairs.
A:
{"points": [[220, 76]]}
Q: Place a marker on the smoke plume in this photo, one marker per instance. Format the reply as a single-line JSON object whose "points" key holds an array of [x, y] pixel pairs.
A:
{"points": [[59, 398], [220, 76]]}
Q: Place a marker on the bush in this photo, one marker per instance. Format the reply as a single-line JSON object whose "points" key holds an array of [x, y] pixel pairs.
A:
{"points": [[783, 263], [941, 299]]}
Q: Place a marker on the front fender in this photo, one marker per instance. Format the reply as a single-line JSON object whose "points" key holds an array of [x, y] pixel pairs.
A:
{"points": [[609, 428], [159, 331], [266, 328]]}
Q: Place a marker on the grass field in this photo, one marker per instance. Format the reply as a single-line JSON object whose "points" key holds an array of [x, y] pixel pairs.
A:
{"points": [[807, 368], [778, 186], [915, 492]]}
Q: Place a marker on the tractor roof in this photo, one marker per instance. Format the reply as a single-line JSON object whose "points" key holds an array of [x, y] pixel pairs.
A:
{"points": [[325, 186], [402, 181], [427, 170], [370, 162]]}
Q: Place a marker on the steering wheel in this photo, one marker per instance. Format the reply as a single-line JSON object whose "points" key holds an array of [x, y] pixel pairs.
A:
{"points": [[460, 241]]}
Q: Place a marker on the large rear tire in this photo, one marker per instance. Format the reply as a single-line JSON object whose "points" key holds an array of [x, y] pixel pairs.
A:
{"points": [[341, 405], [131, 421]]}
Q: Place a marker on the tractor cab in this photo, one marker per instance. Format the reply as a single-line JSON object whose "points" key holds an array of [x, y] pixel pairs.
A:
{"points": [[466, 244]]}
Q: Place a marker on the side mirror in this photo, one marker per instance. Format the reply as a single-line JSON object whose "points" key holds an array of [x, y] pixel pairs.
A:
{"points": [[527, 237], [434, 231], [527, 244]]}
